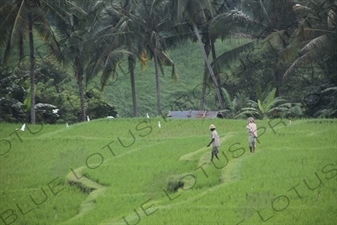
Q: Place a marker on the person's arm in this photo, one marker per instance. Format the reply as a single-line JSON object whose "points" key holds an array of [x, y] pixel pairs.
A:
{"points": [[248, 128], [255, 133], [210, 142]]}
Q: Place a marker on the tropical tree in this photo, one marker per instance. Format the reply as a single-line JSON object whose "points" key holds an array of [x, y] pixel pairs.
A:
{"points": [[272, 23], [21, 19], [119, 28], [151, 23], [314, 43], [221, 21], [267, 105], [234, 106], [77, 23], [228, 24], [316, 35], [197, 12]]}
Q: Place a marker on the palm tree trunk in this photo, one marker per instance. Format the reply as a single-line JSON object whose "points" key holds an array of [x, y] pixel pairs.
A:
{"points": [[31, 71], [80, 87], [217, 73], [157, 80], [205, 80], [216, 86], [203, 91], [213, 48], [133, 86], [79, 77]]}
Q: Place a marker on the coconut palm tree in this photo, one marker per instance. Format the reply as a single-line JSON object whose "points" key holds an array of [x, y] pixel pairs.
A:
{"points": [[271, 23], [120, 29], [21, 19], [78, 24], [197, 12], [228, 25], [316, 35], [151, 22]]}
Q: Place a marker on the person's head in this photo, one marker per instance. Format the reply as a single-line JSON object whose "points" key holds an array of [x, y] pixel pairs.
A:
{"points": [[212, 127], [251, 120]]}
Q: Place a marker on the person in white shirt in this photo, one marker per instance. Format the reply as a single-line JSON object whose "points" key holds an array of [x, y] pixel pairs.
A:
{"points": [[252, 134], [215, 142]]}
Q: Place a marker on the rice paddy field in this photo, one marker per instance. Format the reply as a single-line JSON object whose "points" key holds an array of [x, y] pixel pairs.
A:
{"points": [[131, 171]]}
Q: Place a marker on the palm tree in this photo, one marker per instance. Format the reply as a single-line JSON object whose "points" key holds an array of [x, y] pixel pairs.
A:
{"points": [[19, 19], [77, 24], [272, 25], [151, 22], [197, 12], [228, 25], [120, 29], [316, 35]]}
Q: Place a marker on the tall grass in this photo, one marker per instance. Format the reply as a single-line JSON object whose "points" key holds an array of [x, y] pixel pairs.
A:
{"points": [[131, 163]]}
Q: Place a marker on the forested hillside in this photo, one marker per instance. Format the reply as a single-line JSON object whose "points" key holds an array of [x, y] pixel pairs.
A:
{"points": [[182, 94]]}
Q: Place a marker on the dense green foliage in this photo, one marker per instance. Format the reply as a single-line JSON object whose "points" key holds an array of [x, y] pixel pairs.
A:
{"points": [[54, 87], [106, 43]]}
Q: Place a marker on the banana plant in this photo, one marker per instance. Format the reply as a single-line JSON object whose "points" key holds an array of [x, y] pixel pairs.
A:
{"points": [[27, 102], [265, 104], [235, 105]]}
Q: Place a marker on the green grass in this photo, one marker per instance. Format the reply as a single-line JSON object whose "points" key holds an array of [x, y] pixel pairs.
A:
{"points": [[127, 165]]}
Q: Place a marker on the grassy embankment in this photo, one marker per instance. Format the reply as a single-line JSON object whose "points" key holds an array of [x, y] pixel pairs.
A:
{"points": [[120, 172]]}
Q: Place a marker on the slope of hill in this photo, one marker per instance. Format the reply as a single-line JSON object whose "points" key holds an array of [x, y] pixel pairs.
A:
{"points": [[130, 171], [187, 90]]}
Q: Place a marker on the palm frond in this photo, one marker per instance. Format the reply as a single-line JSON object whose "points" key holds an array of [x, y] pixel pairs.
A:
{"points": [[46, 35], [167, 61], [7, 53], [229, 57], [18, 18], [226, 23], [107, 71], [77, 8], [329, 89], [227, 98], [314, 49], [320, 45], [20, 23], [107, 61], [289, 54], [177, 36], [302, 11], [7, 12], [274, 41], [111, 64], [174, 74]]}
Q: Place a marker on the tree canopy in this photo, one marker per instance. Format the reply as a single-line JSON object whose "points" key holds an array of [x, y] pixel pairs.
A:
{"points": [[288, 48]]}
